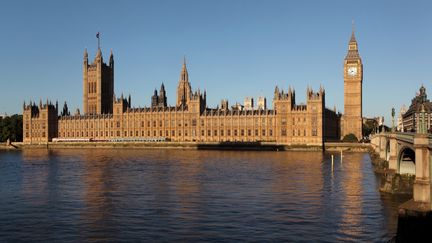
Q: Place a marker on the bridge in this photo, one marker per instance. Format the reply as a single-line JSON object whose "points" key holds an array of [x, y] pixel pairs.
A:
{"points": [[409, 153]]}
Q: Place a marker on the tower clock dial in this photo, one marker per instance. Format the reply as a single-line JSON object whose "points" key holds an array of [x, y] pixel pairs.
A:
{"points": [[352, 71]]}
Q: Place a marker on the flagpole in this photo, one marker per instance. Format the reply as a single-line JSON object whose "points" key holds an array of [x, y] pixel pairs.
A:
{"points": [[98, 37]]}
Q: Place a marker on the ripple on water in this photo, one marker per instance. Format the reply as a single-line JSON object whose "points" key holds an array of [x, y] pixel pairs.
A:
{"points": [[174, 195]]}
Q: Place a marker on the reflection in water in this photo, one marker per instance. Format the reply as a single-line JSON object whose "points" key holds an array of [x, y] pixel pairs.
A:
{"points": [[352, 192], [170, 195]]}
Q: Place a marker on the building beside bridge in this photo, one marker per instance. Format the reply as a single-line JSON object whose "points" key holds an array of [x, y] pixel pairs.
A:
{"points": [[419, 104], [107, 117]]}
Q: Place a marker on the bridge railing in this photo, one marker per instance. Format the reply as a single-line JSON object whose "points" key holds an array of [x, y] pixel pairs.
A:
{"points": [[405, 136]]}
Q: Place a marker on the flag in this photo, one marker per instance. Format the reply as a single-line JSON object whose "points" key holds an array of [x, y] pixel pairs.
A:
{"points": [[97, 35]]}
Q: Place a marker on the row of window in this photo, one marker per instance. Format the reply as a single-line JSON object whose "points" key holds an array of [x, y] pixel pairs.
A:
{"points": [[235, 132], [92, 87], [161, 123], [229, 132], [36, 125], [161, 133], [36, 134], [118, 125]]}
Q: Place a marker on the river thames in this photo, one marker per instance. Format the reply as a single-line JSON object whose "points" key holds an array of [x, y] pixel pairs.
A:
{"points": [[76, 195]]}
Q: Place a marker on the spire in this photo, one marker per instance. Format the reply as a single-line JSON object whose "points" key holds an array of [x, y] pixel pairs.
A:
{"points": [[162, 89], [184, 89], [322, 90], [184, 73], [99, 53], [111, 60], [353, 39], [352, 47], [423, 96], [65, 111], [85, 53]]}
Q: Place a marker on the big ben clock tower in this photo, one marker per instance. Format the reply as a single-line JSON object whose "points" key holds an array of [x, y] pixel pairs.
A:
{"points": [[353, 78]]}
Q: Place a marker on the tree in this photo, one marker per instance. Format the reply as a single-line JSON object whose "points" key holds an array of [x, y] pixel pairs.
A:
{"points": [[11, 127], [369, 126], [350, 138]]}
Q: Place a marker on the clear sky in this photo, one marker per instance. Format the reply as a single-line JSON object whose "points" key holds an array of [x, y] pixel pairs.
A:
{"points": [[233, 48]]}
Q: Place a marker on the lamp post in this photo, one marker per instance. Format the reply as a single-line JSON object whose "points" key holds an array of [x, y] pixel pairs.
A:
{"points": [[393, 114]]}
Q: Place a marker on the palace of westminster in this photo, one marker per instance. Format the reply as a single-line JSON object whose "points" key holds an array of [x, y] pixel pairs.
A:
{"points": [[109, 118]]}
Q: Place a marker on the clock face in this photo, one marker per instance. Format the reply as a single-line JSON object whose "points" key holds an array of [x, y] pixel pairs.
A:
{"points": [[352, 71]]}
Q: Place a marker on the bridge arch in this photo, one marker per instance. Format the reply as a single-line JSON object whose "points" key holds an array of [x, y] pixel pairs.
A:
{"points": [[406, 161]]}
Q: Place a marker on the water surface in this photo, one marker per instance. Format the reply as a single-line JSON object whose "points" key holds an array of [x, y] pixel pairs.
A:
{"points": [[188, 195]]}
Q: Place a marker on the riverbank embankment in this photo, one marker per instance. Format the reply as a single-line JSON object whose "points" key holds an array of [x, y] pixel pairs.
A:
{"points": [[256, 146]]}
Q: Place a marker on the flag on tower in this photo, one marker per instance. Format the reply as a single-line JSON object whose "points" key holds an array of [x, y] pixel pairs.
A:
{"points": [[97, 36]]}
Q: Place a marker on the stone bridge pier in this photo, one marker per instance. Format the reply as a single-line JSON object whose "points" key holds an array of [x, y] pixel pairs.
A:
{"points": [[392, 147], [410, 153], [422, 183], [393, 156], [383, 147]]}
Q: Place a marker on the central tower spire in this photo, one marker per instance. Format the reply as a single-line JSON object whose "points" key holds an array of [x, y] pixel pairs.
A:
{"points": [[184, 90]]}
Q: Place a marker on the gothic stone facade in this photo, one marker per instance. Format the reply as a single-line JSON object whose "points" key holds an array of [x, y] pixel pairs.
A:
{"points": [[98, 85], [411, 119], [353, 77], [40, 123], [190, 120], [287, 124]]}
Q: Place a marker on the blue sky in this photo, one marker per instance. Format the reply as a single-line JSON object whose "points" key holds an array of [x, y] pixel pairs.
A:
{"points": [[233, 48]]}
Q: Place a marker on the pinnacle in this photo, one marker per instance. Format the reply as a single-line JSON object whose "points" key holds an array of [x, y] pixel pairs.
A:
{"points": [[353, 39]]}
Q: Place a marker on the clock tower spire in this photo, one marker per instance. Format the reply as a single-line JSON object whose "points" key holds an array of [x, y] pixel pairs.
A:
{"points": [[353, 79]]}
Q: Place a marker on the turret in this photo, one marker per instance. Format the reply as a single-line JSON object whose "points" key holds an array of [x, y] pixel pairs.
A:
{"points": [[155, 99], [65, 111], [120, 105], [197, 102], [276, 93], [162, 97], [111, 60], [224, 105], [98, 54], [311, 95], [85, 56]]}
